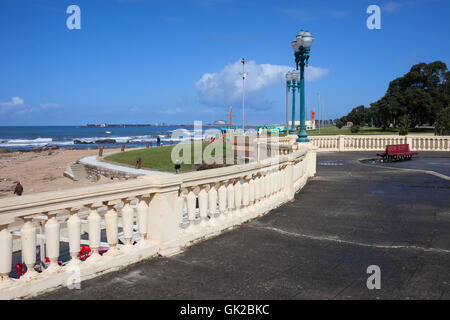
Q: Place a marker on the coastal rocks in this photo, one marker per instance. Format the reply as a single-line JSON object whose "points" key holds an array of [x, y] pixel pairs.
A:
{"points": [[46, 148], [105, 141], [81, 142], [5, 150], [101, 141]]}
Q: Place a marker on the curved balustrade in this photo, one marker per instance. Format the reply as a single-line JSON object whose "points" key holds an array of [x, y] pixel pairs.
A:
{"points": [[129, 221]]}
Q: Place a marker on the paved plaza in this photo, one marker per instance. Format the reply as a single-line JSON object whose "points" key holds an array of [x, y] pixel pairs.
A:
{"points": [[319, 246]]}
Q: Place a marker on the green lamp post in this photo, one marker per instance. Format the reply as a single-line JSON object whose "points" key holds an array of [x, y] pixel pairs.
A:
{"points": [[293, 83], [301, 46]]}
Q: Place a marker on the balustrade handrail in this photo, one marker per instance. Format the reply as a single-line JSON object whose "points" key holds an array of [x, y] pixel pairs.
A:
{"points": [[236, 171], [26, 205]]}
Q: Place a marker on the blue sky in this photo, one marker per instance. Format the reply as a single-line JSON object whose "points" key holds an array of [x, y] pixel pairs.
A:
{"points": [[147, 61]]}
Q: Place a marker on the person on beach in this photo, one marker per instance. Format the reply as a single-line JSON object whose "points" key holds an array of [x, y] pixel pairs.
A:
{"points": [[177, 166], [138, 163], [19, 189], [158, 141]]}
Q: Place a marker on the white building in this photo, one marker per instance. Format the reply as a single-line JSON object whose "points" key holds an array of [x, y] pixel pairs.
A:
{"points": [[310, 125]]}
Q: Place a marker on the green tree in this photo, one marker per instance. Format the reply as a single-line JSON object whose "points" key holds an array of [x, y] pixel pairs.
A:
{"points": [[421, 94], [339, 123], [443, 122]]}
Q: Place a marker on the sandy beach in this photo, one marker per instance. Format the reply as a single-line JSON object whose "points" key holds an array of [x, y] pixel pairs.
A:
{"points": [[41, 171]]}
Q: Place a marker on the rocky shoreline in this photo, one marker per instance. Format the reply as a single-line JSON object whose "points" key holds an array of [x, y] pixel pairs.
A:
{"points": [[55, 147]]}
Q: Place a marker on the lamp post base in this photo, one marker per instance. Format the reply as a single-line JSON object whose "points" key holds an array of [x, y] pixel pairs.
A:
{"points": [[291, 131], [302, 139], [302, 136]]}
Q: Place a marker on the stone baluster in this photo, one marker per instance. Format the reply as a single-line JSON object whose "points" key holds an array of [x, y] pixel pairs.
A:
{"points": [[271, 184], [251, 194], [258, 192], [191, 206], [74, 230], [245, 196], [212, 204], [181, 207], [112, 226], [52, 234], [230, 198], [262, 191], [142, 219], [28, 235], [282, 182], [5, 254], [267, 187], [277, 185], [94, 230], [203, 205], [222, 193], [238, 196], [127, 223]]}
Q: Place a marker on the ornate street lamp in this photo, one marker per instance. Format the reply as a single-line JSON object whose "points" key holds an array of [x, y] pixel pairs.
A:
{"points": [[293, 82], [301, 46]]}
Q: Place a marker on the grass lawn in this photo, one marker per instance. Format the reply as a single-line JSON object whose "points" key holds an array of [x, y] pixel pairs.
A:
{"points": [[156, 158]]}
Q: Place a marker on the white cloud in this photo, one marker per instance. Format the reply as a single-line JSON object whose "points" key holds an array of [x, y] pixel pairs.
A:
{"points": [[135, 109], [173, 111], [15, 101], [50, 105], [224, 88], [339, 13], [393, 6]]}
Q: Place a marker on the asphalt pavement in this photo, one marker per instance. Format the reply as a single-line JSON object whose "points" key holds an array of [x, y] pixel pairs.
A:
{"points": [[347, 218]]}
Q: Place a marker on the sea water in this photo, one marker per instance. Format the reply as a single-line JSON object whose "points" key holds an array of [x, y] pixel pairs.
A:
{"points": [[30, 137]]}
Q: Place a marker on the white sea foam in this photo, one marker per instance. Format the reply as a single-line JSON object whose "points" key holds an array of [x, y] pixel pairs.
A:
{"points": [[40, 142]]}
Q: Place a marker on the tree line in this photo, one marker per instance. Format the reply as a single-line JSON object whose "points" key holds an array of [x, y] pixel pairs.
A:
{"points": [[420, 97]]}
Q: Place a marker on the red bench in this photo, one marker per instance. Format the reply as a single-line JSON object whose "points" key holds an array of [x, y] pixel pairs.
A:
{"points": [[397, 152]]}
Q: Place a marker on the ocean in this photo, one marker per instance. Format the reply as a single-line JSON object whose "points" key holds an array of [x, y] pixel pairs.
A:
{"points": [[30, 137]]}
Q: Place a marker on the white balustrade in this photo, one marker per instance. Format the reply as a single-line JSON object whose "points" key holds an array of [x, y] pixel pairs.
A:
{"points": [[379, 142], [161, 211]]}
